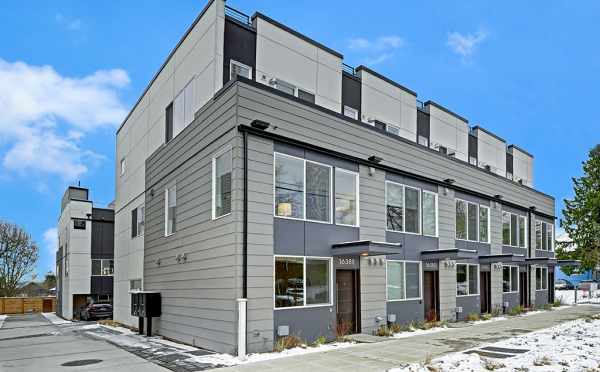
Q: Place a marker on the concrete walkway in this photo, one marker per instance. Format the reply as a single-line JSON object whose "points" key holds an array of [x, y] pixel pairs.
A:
{"points": [[396, 352]]}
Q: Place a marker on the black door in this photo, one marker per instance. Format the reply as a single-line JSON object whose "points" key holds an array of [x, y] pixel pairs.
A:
{"points": [[485, 292], [431, 295], [523, 292], [347, 302]]}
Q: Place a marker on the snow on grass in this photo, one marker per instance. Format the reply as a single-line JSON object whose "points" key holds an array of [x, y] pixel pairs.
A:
{"points": [[2, 319], [418, 332], [571, 346], [567, 297], [55, 319]]}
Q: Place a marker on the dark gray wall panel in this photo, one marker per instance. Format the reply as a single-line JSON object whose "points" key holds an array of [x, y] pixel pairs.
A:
{"points": [[541, 298], [288, 236], [470, 305], [351, 92], [101, 285], [307, 323], [319, 237], [514, 250], [412, 245], [512, 299], [481, 248], [103, 239], [240, 45], [406, 311]]}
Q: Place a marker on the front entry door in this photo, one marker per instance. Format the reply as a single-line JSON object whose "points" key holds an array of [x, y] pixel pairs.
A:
{"points": [[550, 285], [485, 291], [523, 292], [431, 295], [347, 301]]}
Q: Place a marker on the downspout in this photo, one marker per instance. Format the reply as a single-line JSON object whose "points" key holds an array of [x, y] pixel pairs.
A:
{"points": [[245, 221], [528, 303]]}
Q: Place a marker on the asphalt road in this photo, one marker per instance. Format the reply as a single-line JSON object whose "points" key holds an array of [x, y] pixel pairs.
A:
{"points": [[33, 344]]}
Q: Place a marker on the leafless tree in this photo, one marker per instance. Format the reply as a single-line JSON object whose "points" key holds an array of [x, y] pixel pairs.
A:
{"points": [[18, 256]]}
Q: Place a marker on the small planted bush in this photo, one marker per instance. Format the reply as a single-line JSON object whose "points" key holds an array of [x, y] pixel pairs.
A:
{"points": [[321, 340], [288, 342], [497, 311], [486, 316], [472, 317], [384, 331], [516, 310], [557, 302]]}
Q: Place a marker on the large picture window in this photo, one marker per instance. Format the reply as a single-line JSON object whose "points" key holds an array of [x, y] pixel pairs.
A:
{"points": [[302, 281], [514, 230], [472, 221], [544, 236], [103, 267], [170, 210], [510, 279], [221, 184], [541, 278], [403, 280], [467, 279], [408, 208], [302, 189], [346, 197]]}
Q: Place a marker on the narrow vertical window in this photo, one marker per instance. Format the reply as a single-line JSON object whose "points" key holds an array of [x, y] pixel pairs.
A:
{"points": [[484, 220], [412, 202], [544, 236], [429, 213], [141, 220], [346, 198], [538, 278], [472, 221], [513, 230], [506, 279], [462, 284], [169, 123], [505, 228], [170, 210], [395, 280], [461, 219], [134, 222], [317, 281], [514, 277], [522, 232], [395, 207], [318, 192], [222, 165], [289, 281], [412, 272], [289, 186], [473, 279], [538, 235], [550, 232]]}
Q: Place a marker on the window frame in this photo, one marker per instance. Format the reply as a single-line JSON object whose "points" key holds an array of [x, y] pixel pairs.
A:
{"points": [[167, 234], [436, 214], [387, 299], [518, 238], [468, 277], [420, 203], [511, 278], [543, 269], [305, 306], [357, 181], [304, 161], [239, 64], [355, 111], [489, 227], [217, 154], [191, 84], [101, 266], [76, 220], [479, 206]]}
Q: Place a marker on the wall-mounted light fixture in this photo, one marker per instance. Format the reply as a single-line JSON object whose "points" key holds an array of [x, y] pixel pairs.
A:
{"points": [[450, 181], [375, 159], [259, 124], [371, 171], [157, 262]]}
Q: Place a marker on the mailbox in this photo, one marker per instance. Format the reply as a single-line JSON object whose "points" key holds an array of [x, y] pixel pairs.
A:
{"points": [[145, 305]]}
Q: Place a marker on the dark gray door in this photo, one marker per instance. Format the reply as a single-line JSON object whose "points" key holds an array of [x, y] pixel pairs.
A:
{"points": [[347, 301], [431, 295]]}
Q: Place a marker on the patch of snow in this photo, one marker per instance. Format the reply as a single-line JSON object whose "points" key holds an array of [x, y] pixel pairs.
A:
{"points": [[2, 319], [567, 297], [498, 318], [571, 346], [418, 332], [55, 319]]}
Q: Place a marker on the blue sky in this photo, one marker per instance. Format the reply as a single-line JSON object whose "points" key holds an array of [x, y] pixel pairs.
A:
{"points": [[71, 70]]}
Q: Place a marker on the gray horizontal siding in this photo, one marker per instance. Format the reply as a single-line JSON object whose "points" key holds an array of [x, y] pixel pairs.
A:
{"points": [[308, 124]]}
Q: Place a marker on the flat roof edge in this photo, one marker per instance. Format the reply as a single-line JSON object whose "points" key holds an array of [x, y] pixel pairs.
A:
{"points": [[386, 79], [447, 111]]}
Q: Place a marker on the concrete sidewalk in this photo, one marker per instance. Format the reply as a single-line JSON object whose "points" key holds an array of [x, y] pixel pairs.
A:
{"points": [[396, 352]]}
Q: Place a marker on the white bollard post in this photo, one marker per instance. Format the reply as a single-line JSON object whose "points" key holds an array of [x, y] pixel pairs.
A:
{"points": [[241, 344]]}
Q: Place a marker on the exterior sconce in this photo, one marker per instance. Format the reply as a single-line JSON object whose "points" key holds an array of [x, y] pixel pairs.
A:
{"points": [[181, 258], [151, 192], [157, 262], [371, 171], [445, 191]]}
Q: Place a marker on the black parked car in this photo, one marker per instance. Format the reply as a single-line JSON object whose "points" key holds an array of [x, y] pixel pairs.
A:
{"points": [[96, 311], [563, 284]]}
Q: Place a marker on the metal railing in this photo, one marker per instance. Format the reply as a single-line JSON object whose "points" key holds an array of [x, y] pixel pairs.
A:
{"points": [[349, 69], [420, 105], [237, 15]]}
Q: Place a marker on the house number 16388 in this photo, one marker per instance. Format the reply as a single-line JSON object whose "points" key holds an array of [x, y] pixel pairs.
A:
{"points": [[346, 261]]}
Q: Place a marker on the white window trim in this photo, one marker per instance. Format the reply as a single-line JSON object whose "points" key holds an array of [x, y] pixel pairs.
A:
{"points": [[511, 278], [122, 165], [468, 275], [404, 271], [305, 306], [357, 180], [214, 181], [510, 229], [404, 187], [476, 223], [137, 226], [239, 64], [101, 260], [544, 269], [436, 213], [167, 212], [355, 117], [331, 211]]}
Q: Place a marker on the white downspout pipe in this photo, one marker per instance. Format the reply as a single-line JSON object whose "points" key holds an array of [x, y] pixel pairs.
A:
{"points": [[241, 341]]}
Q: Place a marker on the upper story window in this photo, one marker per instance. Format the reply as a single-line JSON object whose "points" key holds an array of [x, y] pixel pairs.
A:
{"points": [[351, 112], [408, 209], [221, 183], [510, 279], [302, 281], [467, 279], [544, 236], [170, 210], [122, 164], [423, 141], [104, 267], [294, 90], [138, 221], [403, 280], [541, 278], [346, 197], [237, 68], [184, 106], [79, 223], [302, 189], [514, 230], [472, 221], [392, 129]]}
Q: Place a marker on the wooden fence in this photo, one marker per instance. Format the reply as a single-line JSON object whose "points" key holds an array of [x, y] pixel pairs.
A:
{"points": [[24, 305]]}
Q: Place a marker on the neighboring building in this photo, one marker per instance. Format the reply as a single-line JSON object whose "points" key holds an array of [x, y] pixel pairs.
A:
{"points": [[34, 289], [565, 242], [257, 165], [84, 260]]}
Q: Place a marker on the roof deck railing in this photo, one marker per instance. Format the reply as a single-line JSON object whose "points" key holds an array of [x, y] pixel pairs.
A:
{"points": [[349, 69], [237, 15]]}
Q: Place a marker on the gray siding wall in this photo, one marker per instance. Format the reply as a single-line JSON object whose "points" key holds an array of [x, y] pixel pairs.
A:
{"points": [[198, 296], [469, 304], [447, 292], [495, 228], [446, 218], [372, 292], [311, 125], [372, 205], [496, 287], [512, 299], [406, 311]]}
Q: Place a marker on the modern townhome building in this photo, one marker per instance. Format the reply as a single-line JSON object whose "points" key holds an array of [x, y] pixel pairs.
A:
{"points": [[257, 168], [84, 259]]}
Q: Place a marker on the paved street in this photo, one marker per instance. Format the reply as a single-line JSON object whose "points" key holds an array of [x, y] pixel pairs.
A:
{"points": [[31, 343]]}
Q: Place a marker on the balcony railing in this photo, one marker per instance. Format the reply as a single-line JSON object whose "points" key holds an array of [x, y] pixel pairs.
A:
{"points": [[237, 15], [349, 69]]}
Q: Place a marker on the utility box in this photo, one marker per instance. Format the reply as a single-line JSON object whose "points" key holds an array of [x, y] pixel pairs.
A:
{"points": [[145, 304]]}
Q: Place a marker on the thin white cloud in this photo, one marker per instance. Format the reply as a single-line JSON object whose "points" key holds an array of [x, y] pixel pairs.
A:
{"points": [[465, 45], [51, 240], [45, 116], [377, 50], [71, 24]]}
